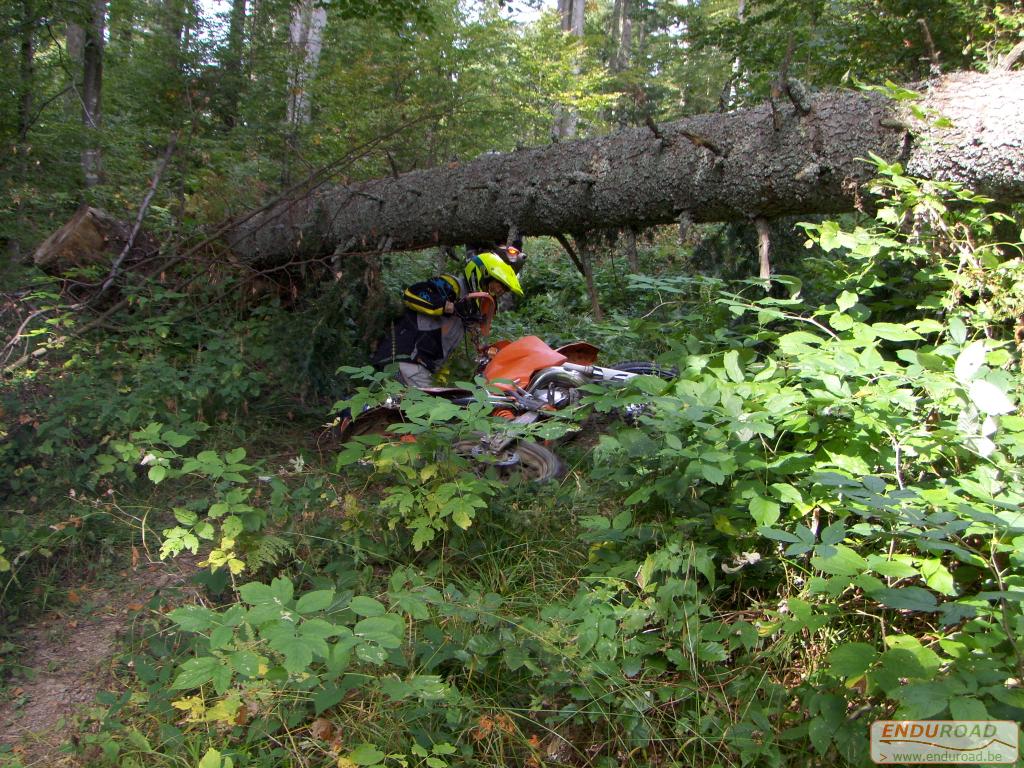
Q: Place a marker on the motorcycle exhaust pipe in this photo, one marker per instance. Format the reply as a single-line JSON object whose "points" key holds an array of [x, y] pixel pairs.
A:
{"points": [[552, 378], [597, 373]]}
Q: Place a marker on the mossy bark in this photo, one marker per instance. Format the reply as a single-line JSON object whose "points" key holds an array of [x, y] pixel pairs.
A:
{"points": [[716, 167]]}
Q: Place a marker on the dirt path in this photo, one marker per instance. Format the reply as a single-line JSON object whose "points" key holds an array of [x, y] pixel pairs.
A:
{"points": [[66, 661]]}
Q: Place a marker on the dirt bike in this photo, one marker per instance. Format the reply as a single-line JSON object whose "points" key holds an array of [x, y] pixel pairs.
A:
{"points": [[529, 381]]}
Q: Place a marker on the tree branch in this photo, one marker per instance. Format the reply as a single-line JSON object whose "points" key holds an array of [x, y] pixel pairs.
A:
{"points": [[572, 253], [934, 67], [1006, 63], [171, 146]]}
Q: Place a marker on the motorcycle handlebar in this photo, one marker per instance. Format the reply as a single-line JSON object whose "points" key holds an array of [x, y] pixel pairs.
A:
{"points": [[487, 308]]}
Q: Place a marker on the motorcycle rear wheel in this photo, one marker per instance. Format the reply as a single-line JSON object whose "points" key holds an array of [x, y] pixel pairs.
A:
{"points": [[522, 460]]}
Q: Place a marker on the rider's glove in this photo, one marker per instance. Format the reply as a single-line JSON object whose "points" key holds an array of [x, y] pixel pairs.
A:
{"points": [[468, 310]]}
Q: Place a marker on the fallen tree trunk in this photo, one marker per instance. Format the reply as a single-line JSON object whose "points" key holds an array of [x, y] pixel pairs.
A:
{"points": [[716, 167]]}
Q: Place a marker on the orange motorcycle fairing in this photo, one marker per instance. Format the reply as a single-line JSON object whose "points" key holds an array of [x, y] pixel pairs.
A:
{"points": [[579, 352], [518, 361]]}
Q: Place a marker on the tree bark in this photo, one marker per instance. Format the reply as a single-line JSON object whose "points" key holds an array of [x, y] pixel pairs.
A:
{"points": [[75, 39], [716, 167], [92, 91], [306, 34], [234, 56], [565, 117], [622, 35], [26, 69]]}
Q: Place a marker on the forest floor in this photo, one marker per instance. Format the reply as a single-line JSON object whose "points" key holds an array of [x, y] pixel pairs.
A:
{"points": [[67, 657]]}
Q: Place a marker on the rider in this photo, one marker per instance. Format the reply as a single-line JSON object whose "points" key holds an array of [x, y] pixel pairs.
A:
{"points": [[436, 315]]}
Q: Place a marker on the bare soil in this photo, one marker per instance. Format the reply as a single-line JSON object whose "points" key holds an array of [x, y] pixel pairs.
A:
{"points": [[67, 657]]}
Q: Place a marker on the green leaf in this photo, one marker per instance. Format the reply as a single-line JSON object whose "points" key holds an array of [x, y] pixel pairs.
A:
{"points": [[395, 689], [245, 663], [851, 659], [986, 396], [211, 759], [921, 700], [968, 708], [896, 569], [732, 366], [221, 636], [712, 473], [938, 577], [315, 601], [969, 362], [387, 631], [764, 511], [138, 741], [907, 598], [235, 456], [838, 560], [372, 654], [256, 593], [787, 493], [282, 589], [366, 754], [362, 605], [175, 439], [298, 651], [195, 672], [834, 533], [820, 733], [327, 698], [192, 618], [461, 515], [845, 300], [894, 332], [157, 473]]}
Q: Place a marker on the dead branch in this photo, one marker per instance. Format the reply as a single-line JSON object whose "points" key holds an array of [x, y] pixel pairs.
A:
{"points": [[154, 182], [703, 143], [1006, 63], [572, 253], [934, 68]]}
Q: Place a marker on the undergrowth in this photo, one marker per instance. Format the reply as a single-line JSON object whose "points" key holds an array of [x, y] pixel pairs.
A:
{"points": [[813, 526]]}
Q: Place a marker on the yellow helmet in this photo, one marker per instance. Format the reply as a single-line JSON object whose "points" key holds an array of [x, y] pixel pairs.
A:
{"points": [[490, 265]]}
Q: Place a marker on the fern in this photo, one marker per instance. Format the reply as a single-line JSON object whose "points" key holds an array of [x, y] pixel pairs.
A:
{"points": [[266, 549]]}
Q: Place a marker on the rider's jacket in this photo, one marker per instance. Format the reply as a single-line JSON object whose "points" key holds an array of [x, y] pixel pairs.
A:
{"points": [[424, 334]]}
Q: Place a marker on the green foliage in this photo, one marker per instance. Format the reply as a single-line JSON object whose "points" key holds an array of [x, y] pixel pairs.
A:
{"points": [[822, 508], [815, 524]]}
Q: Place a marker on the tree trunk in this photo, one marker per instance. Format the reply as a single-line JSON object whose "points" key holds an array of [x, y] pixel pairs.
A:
{"points": [[26, 69], [565, 118], [307, 33], [75, 39], [629, 246], [585, 250], [234, 55], [731, 86], [92, 91], [622, 35], [716, 167]]}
